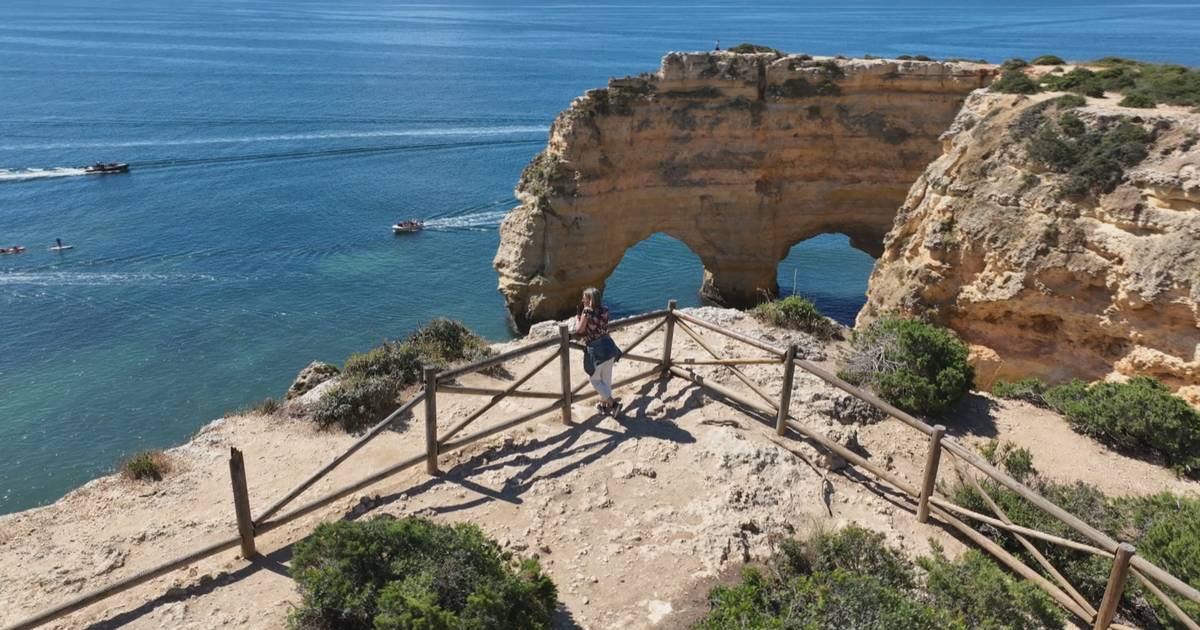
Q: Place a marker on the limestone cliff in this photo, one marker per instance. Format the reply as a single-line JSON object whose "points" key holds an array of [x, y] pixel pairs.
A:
{"points": [[738, 156], [1042, 280]]}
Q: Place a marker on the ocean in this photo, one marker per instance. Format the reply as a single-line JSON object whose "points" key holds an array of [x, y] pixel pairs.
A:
{"points": [[273, 142]]}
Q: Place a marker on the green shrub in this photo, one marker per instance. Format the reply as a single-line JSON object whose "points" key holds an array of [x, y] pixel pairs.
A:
{"points": [[151, 465], [444, 341], [1047, 60], [1080, 81], [1030, 390], [1095, 159], [916, 366], [1162, 83], [1139, 100], [1140, 416], [749, 49], [851, 579], [374, 379], [796, 313], [356, 403], [1016, 63], [412, 573], [1068, 101], [1165, 528], [1015, 82]]}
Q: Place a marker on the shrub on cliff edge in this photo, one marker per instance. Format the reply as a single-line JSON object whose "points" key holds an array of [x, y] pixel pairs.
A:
{"points": [[796, 313], [918, 367], [147, 465], [1047, 60], [413, 573], [1015, 82], [750, 49], [852, 579]]}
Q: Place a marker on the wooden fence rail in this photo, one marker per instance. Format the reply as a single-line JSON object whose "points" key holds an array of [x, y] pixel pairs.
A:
{"points": [[775, 413]]}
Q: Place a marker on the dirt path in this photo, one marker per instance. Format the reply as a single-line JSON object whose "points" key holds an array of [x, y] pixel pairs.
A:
{"points": [[632, 517]]}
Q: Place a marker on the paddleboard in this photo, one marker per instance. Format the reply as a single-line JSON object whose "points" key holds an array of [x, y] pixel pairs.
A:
{"points": [[56, 248]]}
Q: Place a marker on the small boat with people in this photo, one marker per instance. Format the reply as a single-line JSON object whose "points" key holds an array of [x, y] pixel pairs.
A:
{"points": [[411, 225], [106, 168], [15, 249]]}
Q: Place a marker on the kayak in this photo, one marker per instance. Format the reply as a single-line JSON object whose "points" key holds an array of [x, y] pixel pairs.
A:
{"points": [[61, 248]]}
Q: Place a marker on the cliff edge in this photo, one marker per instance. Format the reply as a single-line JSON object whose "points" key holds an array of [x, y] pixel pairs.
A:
{"points": [[1060, 240]]}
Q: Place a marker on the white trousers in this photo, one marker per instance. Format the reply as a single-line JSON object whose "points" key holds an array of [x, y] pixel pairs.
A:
{"points": [[602, 379]]}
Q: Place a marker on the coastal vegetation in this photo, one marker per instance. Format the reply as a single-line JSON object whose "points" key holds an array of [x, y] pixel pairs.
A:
{"points": [[796, 313], [372, 381], [1140, 417], [1143, 84], [1047, 60], [748, 49], [146, 466], [411, 573], [1094, 157], [916, 366], [853, 579], [1015, 82], [1164, 527]]}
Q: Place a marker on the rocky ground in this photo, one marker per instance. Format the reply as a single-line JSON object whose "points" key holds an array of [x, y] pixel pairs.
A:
{"points": [[634, 518]]}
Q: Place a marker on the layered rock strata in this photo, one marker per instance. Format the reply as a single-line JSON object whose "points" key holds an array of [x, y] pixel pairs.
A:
{"points": [[737, 156], [1051, 284]]}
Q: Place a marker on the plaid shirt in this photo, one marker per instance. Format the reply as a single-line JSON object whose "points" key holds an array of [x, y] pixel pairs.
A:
{"points": [[597, 324]]}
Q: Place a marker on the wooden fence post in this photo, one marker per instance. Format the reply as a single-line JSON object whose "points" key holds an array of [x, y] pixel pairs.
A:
{"points": [[931, 470], [1116, 586], [431, 445], [785, 395], [564, 355], [670, 335], [241, 502]]}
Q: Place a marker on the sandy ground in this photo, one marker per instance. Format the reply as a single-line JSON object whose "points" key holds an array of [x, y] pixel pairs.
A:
{"points": [[634, 518]]}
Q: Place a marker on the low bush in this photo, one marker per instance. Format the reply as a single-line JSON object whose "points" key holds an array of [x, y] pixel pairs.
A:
{"points": [[796, 313], [852, 579], [749, 49], [1136, 417], [1169, 84], [1069, 101], [412, 573], [1164, 527], [372, 380], [356, 403], [1047, 60], [916, 366], [1030, 390], [1015, 82], [1140, 100], [1080, 81], [1094, 159], [147, 465], [1016, 63], [1016, 461]]}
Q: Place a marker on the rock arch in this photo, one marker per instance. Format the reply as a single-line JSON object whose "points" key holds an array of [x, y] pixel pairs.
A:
{"points": [[737, 156]]}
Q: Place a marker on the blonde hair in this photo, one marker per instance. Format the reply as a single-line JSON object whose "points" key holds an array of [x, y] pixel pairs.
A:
{"points": [[592, 294]]}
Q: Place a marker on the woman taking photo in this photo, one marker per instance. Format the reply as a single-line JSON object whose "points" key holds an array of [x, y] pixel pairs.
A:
{"points": [[591, 325]]}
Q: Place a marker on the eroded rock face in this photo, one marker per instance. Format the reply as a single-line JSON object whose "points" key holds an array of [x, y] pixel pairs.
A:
{"points": [[738, 156], [314, 374], [1047, 285]]}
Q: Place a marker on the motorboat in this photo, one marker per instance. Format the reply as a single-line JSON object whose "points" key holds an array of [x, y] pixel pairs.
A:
{"points": [[411, 225], [15, 249], [106, 168]]}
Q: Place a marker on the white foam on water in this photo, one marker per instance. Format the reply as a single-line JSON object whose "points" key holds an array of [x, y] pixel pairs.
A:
{"points": [[478, 220], [75, 278], [38, 173], [327, 135]]}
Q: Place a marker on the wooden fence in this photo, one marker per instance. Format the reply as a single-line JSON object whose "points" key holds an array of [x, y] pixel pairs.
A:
{"points": [[762, 405]]}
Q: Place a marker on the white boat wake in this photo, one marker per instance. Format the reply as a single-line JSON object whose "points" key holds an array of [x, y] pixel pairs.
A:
{"points": [[479, 221], [38, 173]]}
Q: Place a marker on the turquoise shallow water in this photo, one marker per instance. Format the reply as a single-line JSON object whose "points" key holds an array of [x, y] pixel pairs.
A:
{"points": [[274, 142]]}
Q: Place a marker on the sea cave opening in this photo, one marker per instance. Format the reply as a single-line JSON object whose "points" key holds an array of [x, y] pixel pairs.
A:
{"points": [[656, 269], [830, 272]]}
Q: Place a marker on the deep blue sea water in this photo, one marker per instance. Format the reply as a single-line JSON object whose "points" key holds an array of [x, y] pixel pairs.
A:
{"points": [[274, 142]]}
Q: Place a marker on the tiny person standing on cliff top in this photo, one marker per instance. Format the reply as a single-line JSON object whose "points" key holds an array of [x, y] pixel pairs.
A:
{"points": [[591, 324]]}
